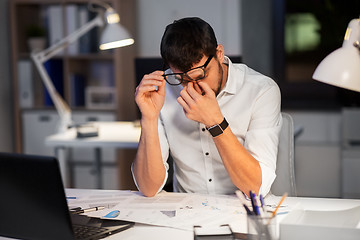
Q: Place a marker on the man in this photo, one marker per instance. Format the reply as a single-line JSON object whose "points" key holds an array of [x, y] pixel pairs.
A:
{"points": [[219, 121]]}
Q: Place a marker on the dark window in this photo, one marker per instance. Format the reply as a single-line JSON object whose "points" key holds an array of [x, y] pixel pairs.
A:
{"points": [[305, 33]]}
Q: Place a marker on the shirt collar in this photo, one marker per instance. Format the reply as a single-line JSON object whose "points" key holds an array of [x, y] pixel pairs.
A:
{"points": [[231, 83]]}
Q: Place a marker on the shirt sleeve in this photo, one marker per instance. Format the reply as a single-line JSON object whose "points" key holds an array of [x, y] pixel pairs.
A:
{"points": [[164, 153], [262, 138]]}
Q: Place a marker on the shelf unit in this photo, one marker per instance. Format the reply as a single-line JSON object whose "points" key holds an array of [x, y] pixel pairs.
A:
{"points": [[114, 68]]}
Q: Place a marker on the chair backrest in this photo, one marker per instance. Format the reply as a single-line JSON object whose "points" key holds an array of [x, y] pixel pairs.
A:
{"points": [[285, 169]]}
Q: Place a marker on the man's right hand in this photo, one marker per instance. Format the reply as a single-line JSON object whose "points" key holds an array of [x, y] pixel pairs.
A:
{"points": [[150, 94]]}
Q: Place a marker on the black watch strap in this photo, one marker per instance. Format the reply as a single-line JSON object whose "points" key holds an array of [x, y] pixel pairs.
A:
{"points": [[218, 129]]}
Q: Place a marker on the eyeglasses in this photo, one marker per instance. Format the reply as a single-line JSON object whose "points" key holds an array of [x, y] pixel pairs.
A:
{"points": [[194, 74]]}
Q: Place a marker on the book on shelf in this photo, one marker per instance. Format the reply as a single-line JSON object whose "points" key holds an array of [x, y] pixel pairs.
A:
{"points": [[77, 83], [54, 68], [88, 43], [102, 73], [25, 75], [72, 23], [55, 26]]}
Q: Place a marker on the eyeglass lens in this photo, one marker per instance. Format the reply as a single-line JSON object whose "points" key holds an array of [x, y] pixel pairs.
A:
{"points": [[192, 75]]}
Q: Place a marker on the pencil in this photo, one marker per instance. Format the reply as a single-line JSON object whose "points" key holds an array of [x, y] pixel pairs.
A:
{"points": [[278, 206]]}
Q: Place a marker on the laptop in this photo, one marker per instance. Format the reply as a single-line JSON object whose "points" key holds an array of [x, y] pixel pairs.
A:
{"points": [[33, 203]]}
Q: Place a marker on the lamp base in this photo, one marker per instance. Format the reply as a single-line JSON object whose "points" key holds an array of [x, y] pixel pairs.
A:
{"points": [[85, 131]]}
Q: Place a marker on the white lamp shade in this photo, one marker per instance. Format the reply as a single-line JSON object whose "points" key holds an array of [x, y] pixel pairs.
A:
{"points": [[115, 35], [341, 68]]}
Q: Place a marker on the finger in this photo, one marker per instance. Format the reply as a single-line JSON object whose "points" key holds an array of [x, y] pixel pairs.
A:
{"points": [[155, 80], [184, 94], [147, 88], [158, 72], [198, 89], [183, 104], [151, 82], [161, 87], [144, 87], [206, 88], [153, 76], [192, 91]]}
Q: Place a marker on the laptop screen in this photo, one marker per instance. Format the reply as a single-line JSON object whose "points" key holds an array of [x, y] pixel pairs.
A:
{"points": [[32, 203]]}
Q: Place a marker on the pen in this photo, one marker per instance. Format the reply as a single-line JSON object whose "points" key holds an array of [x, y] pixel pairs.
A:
{"points": [[259, 206], [247, 210], [75, 209], [262, 201], [89, 210], [242, 197], [254, 203]]}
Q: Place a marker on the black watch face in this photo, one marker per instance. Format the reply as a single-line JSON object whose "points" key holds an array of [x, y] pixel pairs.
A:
{"points": [[216, 131]]}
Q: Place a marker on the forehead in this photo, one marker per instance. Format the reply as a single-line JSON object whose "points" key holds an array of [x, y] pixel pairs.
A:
{"points": [[199, 64]]}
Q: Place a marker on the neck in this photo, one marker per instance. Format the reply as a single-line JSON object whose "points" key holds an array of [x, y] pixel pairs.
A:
{"points": [[225, 68]]}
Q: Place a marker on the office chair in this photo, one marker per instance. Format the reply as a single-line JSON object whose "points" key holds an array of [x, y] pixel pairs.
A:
{"points": [[285, 169]]}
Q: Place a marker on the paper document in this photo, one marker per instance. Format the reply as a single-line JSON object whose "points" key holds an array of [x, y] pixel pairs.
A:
{"points": [[177, 210]]}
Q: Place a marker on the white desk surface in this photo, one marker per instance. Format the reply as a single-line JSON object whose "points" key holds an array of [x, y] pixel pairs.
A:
{"points": [[120, 134], [111, 134], [142, 231]]}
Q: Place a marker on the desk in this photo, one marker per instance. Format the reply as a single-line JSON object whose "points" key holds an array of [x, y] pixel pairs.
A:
{"points": [[111, 134], [142, 231]]}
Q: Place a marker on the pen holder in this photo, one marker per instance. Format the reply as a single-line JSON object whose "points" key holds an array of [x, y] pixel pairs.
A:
{"points": [[261, 228]]}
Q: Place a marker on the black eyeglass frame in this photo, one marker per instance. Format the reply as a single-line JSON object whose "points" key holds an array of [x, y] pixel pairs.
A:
{"points": [[185, 73]]}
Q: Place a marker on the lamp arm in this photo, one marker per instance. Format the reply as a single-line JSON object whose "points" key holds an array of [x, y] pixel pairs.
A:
{"points": [[48, 53], [41, 57]]}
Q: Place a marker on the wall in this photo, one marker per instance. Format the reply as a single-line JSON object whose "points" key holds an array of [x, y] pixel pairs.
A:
{"points": [[257, 31], [6, 128], [155, 15]]}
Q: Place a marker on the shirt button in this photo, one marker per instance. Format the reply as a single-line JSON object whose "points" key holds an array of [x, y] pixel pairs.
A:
{"points": [[203, 129], [210, 179], [207, 154]]}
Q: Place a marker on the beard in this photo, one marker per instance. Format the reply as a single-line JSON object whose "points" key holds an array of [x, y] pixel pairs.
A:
{"points": [[220, 81]]}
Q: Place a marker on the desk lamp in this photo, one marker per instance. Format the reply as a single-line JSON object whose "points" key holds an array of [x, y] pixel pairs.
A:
{"points": [[113, 36], [341, 68]]}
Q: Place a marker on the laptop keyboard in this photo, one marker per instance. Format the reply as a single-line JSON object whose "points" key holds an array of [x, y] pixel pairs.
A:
{"points": [[87, 232]]}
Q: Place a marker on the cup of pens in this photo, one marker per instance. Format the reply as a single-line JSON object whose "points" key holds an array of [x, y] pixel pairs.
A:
{"points": [[261, 225]]}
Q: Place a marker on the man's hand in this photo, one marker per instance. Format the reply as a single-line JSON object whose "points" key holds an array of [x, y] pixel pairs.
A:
{"points": [[199, 103], [150, 94]]}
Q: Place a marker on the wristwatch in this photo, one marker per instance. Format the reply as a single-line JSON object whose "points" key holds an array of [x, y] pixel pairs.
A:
{"points": [[218, 129]]}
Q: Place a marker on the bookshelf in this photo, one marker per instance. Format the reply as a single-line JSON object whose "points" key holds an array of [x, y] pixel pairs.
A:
{"points": [[78, 68]]}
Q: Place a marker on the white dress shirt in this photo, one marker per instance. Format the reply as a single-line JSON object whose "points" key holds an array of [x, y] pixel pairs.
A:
{"points": [[250, 102]]}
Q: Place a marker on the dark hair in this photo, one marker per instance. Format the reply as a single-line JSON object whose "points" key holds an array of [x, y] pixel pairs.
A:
{"points": [[185, 41]]}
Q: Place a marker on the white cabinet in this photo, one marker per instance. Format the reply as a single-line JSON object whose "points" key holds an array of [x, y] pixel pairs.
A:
{"points": [[39, 124], [351, 173], [350, 153], [318, 153]]}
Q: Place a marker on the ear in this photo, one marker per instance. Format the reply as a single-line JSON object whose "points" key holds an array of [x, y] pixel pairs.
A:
{"points": [[220, 53]]}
